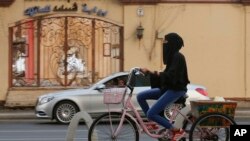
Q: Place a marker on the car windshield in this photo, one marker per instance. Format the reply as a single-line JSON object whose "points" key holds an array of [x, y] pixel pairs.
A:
{"points": [[121, 80]]}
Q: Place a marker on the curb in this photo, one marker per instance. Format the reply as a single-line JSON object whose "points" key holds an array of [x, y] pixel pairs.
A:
{"points": [[242, 113], [18, 115]]}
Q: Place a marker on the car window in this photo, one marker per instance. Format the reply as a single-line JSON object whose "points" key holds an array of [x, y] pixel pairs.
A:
{"points": [[117, 82], [141, 81]]}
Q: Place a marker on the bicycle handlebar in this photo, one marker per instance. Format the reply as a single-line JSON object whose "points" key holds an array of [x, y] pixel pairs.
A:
{"points": [[132, 77]]}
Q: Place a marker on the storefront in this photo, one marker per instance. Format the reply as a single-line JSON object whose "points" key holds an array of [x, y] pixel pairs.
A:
{"points": [[63, 44], [49, 45]]}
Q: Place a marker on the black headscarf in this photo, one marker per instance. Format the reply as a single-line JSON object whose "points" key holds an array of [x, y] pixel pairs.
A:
{"points": [[173, 44]]}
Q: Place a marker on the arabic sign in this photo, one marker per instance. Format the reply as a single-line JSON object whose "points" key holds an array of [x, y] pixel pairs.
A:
{"points": [[46, 9]]}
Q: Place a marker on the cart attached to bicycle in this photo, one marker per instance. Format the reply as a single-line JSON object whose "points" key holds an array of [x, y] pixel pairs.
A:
{"points": [[212, 119]]}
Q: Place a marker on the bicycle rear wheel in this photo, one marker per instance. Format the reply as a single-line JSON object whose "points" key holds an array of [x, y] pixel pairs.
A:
{"points": [[211, 127], [103, 128]]}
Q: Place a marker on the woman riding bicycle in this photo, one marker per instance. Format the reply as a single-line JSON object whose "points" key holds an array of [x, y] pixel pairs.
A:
{"points": [[167, 86]]}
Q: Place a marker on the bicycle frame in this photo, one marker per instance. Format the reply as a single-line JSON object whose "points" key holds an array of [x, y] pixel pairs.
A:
{"points": [[129, 114], [128, 106]]}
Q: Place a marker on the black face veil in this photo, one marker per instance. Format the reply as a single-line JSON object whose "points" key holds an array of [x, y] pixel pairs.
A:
{"points": [[173, 44]]}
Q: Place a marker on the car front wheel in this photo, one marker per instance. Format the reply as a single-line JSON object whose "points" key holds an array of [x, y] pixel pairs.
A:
{"points": [[65, 111]]}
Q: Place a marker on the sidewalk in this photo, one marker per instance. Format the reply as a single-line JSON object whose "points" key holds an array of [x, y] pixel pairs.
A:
{"points": [[17, 113], [29, 113], [242, 113]]}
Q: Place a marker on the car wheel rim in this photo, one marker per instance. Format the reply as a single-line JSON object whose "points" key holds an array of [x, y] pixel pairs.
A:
{"points": [[65, 112], [169, 110]]}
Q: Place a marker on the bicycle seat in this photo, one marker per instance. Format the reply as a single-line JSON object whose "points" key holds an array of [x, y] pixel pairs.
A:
{"points": [[181, 100]]}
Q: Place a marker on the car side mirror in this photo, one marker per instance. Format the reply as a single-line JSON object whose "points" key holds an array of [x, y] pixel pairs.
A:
{"points": [[100, 87]]}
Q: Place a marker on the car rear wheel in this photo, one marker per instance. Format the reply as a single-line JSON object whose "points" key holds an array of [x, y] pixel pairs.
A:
{"points": [[168, 112], [65, 111]]}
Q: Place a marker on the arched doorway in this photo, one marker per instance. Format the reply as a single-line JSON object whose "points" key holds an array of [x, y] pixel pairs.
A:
{"points": [[64, 51]]}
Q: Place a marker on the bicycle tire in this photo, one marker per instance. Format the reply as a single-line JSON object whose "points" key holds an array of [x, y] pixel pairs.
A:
{"points": [[211, 132], [101, 130]]}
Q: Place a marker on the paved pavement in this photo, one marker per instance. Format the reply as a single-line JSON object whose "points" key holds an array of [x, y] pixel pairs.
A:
{"points": [[17, 113], [29, 113]]}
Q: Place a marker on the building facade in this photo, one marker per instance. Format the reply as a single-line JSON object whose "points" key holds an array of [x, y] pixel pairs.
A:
{"points": [[51, 45]]}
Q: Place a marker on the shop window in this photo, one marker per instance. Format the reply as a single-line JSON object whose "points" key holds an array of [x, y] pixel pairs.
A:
{"points": [[63, 52], [23, 52]]}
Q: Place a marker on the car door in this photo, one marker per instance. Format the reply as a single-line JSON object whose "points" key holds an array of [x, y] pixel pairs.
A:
{"points": [[85, 100], [96, 104]]}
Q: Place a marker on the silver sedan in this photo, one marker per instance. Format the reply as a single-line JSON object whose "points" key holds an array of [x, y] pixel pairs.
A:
{"points": [[63, 105]]}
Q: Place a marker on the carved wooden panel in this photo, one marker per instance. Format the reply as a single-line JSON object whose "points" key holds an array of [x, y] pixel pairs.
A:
{"points": [[65, 51]]}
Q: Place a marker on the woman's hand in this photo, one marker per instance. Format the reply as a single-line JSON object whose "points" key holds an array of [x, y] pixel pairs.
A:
{"points": [[145, 70]]}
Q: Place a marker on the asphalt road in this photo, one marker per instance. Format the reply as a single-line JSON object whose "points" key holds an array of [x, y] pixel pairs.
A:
{"points": [[46, 130], [42, 130], [22, 125], [37, 130]]}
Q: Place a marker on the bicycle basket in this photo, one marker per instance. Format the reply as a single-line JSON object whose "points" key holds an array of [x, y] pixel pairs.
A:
{"points": [[113, 95]]}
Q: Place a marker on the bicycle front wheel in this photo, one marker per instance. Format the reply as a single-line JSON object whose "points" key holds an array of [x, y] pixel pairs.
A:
{"points": [[211, 127], [103, 128]]}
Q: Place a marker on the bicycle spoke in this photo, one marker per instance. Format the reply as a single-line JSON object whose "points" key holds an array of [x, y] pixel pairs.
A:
{"points": [[204, 129], [103, 129]]}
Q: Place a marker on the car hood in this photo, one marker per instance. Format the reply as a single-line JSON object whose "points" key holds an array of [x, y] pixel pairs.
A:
{"points": [[70, 92]]}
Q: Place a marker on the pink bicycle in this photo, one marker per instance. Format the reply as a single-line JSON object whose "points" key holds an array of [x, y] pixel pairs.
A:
{"points": [[127, 124]]}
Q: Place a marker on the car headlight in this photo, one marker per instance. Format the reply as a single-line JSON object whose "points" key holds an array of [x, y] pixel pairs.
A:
{"points": [[46, 100]]}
